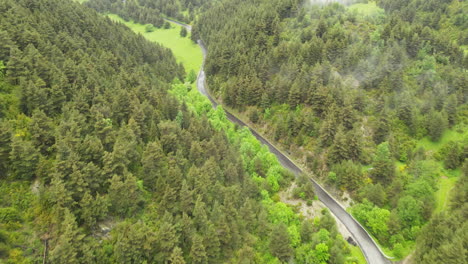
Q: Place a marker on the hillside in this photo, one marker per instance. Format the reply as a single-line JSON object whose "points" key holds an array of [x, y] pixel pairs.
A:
{"points": [[363, 95], [107, 155]]}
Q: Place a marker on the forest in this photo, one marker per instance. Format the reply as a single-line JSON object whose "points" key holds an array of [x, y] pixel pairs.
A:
{"points": [[108, 153], [373, 103]]}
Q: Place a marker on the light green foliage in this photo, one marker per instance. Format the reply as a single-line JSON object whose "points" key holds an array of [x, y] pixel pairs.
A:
{"points": [[398, 250], [369, 9], [149, 28], [374, 218], [409, 211], [294, 235], [321, 254], [442, 194], [280, 212], [192, 76]]}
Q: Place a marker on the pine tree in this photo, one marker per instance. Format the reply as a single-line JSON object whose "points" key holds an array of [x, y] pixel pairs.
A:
{"points": [[67, 245], [381, 132], [42, 129], [295, 95], [339, 151], [93, 209], [212, 244], [436, 125], [247, 255], [280, 243], [23, 159], [5, 148], [383, 170], [167, 239], [197, 252], [15, 66], [91, 150], [124, 195], [177, 256], [450, 107], [199, 214], [154, 164]]}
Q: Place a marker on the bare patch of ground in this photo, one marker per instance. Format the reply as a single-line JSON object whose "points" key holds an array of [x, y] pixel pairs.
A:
{"points": [[103, 229], [35, 187], [310, 211]]}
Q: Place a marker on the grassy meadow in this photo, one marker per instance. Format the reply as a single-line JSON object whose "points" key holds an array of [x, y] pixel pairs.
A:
{"points": [[185, 51]]}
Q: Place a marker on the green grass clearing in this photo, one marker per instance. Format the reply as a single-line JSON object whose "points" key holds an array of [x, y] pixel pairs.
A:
{"points": [[185, 51], [449, 135], [442, 195], [370, 9]]}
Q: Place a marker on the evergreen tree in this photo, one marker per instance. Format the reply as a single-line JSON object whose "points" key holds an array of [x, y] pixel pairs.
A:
{"points": [[197, 252], [339, 151], [383, 170], [23, 159], [177, 256], [42, 129], [167, 241], [67, 245], [183, 32], [436, 125], [280, 243], [5, 148]]}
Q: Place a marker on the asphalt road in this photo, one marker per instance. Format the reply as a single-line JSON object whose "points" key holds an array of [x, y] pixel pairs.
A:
{"points": [[370, 249]]}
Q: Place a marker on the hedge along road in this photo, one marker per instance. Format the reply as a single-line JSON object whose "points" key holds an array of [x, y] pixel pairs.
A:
{"points": [[371, 250]]}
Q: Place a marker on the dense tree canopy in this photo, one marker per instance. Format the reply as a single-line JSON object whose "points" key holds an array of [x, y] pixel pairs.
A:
{"points": [[105, 157], [354, 95]]}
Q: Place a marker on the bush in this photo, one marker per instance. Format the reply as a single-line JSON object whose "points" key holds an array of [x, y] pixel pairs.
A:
{"points": [[183, 32], [192, 76], [398, 250], [149, 28], [254, 117]]}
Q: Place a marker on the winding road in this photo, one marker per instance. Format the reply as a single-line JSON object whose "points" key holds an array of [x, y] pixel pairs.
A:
{"points": [[371, 250]]}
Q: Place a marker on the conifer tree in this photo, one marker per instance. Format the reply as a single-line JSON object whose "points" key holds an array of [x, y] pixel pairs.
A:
{"points": [[280, 243]]}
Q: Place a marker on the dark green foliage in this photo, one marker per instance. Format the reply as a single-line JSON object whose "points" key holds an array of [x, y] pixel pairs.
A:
{"points": [[113, 167], [437, 123], [5, 148], [23, 159], [183, 32], [86, 114], [280, 243], [348, 175], [383, 170]]}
